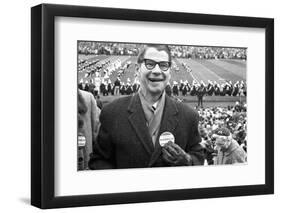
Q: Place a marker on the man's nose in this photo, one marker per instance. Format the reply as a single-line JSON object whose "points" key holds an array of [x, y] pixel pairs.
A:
{"points": [[156, 69]]}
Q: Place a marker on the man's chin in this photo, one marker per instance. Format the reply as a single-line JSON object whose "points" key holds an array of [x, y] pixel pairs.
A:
{"points": [[156, 90]]}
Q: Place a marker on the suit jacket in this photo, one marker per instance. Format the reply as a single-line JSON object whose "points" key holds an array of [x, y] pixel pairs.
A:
{"points": [[124, 140]]}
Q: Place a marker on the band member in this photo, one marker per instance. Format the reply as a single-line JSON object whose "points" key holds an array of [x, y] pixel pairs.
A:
{"points": [[175, 89], [117, 84]]}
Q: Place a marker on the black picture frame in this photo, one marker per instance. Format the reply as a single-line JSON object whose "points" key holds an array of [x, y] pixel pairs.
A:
{"points": [[43, 105]]}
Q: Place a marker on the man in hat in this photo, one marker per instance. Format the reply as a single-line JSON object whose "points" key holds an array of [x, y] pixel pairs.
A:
{"points": [[133, 127], [229, 151]]}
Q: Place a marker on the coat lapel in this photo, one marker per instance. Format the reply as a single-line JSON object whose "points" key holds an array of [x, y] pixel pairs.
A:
{"points": [[168, 124], [138, 122]]}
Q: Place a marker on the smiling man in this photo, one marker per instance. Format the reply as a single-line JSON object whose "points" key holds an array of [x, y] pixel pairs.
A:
{"points": [[148, 129]]}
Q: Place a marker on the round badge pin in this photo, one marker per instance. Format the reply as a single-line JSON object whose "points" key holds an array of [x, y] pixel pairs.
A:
{"points": [[165, 137], [81, 141]]}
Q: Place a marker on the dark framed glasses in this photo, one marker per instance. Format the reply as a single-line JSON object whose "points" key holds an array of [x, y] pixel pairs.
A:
{"points": [[163, 65]]}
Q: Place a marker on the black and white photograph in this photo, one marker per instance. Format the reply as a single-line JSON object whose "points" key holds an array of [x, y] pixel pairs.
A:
{"points": [[160, 105], [140, 106]]}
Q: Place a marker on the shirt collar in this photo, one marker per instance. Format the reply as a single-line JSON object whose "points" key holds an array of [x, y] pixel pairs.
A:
{"points": [[156, 104]]}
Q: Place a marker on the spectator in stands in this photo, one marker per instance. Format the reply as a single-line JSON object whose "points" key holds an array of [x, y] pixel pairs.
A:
{"points": [[229, 151], [88, 125], [207, 144]]}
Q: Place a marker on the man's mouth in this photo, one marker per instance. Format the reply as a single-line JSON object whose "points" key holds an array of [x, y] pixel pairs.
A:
{"points": [[155, 79]]}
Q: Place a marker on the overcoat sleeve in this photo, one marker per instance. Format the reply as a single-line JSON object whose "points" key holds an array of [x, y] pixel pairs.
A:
{"points": [[95, 113], [195, 148]]}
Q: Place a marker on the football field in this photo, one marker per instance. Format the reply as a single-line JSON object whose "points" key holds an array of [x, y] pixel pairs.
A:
{"points": [[216, 70]]}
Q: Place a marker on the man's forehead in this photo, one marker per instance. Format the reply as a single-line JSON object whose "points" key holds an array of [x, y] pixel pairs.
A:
{"points": [[153, 53]]}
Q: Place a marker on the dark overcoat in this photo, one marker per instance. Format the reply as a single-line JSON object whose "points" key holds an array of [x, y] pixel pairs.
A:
{"points": [[124, 140]]}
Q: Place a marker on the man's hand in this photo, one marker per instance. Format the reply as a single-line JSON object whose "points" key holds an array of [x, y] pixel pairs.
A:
{"points": [[174, 155]]}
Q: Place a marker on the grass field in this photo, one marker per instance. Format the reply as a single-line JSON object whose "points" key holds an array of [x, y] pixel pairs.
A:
{"points": [[219, 70]]}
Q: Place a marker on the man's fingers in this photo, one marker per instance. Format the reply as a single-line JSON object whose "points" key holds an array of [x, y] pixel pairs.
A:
{"points": [[167, 156], [176, 147], [171, 150]]}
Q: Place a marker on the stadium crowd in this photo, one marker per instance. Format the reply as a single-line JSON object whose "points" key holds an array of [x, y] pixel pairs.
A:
{"points": [[180, 51], [232, 118], [107, 48], [197, 52]]}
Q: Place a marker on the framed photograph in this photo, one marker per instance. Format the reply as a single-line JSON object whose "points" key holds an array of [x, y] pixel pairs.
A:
{"points": [[141, 106]]}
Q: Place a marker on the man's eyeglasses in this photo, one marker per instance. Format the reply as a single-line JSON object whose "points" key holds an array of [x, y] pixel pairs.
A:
{"points": [[163, 65]]}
